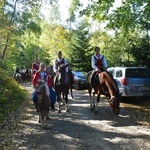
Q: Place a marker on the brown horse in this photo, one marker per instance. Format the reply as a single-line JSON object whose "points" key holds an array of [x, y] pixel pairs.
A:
{"points": [[61, 85], [43, 101], [106, 85], [26, 77]]}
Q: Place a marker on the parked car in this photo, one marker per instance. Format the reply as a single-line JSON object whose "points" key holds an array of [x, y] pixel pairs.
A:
{"points": [[132, 81], [79, 79]]}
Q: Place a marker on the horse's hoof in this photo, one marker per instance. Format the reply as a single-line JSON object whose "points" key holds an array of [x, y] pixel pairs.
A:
{"points": [[96, 112], [67, 110], [92, 109], [59, 111], [47, 118], [39, 121]]}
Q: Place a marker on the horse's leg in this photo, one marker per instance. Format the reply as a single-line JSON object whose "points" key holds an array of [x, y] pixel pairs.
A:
{"points": [[47, 117], [59, 102], [91, 99], [42, 117], [97, 101], [71, 92], [66, 102], [63, 98], [91, 102]]}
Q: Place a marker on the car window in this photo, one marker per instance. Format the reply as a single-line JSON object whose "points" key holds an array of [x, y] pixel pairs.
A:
{"points": [[111, 71], [138, 73], [79, 74], [119, 73]]}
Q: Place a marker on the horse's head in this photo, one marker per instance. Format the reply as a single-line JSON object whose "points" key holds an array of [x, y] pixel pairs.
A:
{"points": [[115, 103], [63, 78], [40, 89]]}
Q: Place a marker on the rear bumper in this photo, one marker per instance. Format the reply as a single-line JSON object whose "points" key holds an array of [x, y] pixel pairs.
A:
{"points": [[127, 93]]}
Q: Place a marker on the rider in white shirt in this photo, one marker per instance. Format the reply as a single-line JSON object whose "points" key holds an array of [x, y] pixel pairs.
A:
{"points": [[98, 62]]}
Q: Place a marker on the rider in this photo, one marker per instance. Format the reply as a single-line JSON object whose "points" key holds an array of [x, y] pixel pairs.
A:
{"points": [[35, 66], [99, 64], [60, 61], [40, 74], [51, 90]]}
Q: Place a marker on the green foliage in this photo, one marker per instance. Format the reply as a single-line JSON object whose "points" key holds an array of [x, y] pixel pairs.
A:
{"points": [[80, 52], [141, 53], [11, 97]]}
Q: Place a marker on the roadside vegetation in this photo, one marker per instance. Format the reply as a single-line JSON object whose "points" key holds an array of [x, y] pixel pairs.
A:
{"points": [[12, 96]]}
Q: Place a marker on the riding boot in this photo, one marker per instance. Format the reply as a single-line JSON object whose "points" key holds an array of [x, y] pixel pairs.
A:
{"points": [[52, 107]]}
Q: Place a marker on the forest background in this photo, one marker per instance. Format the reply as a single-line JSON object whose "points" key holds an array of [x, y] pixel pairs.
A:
{"points": [[121, 32]]}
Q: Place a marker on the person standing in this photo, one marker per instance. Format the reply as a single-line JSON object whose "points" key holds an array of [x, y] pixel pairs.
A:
{"points": [[99, 64]]}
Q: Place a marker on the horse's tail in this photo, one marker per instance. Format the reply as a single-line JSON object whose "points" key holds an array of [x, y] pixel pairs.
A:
{"points": [[88, 77]]}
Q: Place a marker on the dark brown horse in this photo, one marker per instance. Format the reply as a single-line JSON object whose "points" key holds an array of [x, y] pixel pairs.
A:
{"points": [[61, 85], [104, 84], [43, 101], [26, 77]]}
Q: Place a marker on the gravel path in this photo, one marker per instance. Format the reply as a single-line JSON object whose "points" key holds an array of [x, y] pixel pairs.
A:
{"points": [[81, 129]]}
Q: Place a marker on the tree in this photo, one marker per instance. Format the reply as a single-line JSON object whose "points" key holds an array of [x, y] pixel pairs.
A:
{"points": [[80, 53]]}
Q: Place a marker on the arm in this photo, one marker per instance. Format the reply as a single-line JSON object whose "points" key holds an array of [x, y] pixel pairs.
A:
{"points": [[104, 63], [35, 78], [54, 67]]}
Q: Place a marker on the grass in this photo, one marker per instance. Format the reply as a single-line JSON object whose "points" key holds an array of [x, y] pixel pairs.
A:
{"points": [[11, 97]]}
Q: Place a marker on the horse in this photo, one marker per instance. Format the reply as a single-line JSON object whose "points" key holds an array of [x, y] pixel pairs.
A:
{"points": [[71, 83], [43, 101], [18, 78], [26, 76], [61, 85], [106, 85]]}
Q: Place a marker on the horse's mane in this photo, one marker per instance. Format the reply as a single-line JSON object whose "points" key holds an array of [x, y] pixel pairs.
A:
{"points": [[110, 75]]}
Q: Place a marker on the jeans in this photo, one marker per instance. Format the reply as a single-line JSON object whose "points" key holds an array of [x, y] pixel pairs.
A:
{"points": [[52, 95]]}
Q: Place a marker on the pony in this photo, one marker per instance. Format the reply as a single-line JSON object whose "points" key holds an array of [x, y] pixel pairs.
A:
{"points": [[43, 101], [103, 84], [61, 86]]}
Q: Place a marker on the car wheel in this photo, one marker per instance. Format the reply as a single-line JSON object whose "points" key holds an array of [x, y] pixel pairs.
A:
{"points": [[76, 86]]}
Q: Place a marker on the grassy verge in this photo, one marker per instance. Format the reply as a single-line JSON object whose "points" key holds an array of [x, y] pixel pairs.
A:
{"points": [[11, 97]]}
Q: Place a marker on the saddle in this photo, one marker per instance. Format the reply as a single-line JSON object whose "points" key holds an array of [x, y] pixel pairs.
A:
{"points": [[94, 77]]}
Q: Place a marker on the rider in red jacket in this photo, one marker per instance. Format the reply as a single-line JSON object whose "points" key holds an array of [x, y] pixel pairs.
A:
{"points": [[35, 66], [40, 74]]}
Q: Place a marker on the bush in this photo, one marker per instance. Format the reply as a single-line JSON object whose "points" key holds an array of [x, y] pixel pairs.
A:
{"points": [[11, 96]]}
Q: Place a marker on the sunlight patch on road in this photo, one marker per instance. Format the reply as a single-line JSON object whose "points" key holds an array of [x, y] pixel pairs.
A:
{"points": [[63, 136]]}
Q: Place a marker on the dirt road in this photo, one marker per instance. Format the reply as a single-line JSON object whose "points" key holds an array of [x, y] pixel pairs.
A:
{"points": [[81, 129]]}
